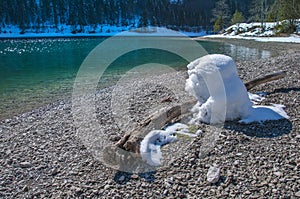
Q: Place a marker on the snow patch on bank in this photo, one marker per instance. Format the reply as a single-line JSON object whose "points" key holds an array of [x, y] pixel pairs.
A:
{"points": [[257, 29], [290, 39], [254, 31], [263, 113]]}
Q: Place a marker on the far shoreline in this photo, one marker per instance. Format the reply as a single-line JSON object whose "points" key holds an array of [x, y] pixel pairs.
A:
{"points": [[197, 36], [278, 47], [294, 39]]}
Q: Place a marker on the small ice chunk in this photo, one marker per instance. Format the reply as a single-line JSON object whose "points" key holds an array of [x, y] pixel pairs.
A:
{"points": [[199, 132], [255, 97], [177, 127], [150, 147]]}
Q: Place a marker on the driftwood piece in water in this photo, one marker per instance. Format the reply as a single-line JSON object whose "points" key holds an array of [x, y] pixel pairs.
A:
{"points": [[264, 79], [132, 139]]}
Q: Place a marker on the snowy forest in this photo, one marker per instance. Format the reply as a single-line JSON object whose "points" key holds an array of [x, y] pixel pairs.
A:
{"points": [[185, 15]]}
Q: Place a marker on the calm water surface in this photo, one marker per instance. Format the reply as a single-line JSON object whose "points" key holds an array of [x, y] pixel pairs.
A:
{"points": [[34, 72]]}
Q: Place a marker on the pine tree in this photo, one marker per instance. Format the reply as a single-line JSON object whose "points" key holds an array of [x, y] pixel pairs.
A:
{"points": [[99, 11], [3, 12], [289, 11], [143, 20], [237, 18], [218, 24], [221, 15], [274, 13], [259, 11]]}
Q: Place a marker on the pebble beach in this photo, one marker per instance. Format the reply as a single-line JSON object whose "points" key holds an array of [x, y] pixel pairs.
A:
{"points": [[41, 156]]}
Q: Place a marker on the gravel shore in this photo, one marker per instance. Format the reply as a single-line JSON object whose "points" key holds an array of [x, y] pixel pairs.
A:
{"points": [[41, 156]]}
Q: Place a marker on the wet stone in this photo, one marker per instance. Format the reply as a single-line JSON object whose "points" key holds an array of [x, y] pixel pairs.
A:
{"points": [[213, 174], [25, 164]]}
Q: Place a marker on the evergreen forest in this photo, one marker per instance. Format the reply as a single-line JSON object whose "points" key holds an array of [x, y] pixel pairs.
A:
{"points": [[176, 14]]}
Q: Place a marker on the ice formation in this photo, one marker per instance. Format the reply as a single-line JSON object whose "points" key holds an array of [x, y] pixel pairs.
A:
{"points": [[151, 144], [221, 94], [150, 147]]}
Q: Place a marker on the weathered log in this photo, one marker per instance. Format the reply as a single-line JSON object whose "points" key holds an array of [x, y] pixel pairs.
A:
{"points": [[132, 139], [264, 79]]}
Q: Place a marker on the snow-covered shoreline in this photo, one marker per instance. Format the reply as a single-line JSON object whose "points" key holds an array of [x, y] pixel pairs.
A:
{"points": [[14, 32], [290, 39], [255, 31], [199, 35]]}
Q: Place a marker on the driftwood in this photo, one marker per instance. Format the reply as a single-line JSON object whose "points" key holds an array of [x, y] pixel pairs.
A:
{"points": [[130, 142], [125, 154], [261, 80]]}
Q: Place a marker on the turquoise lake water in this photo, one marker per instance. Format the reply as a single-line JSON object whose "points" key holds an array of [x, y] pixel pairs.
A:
{"points": [[34, 72]]}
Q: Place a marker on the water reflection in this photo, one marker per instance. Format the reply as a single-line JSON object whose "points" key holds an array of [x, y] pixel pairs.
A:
{"points": [[245, 53], [237, 52]]}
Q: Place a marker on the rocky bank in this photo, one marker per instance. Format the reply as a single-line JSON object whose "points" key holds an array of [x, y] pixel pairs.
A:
{"points": [[41, 156]]}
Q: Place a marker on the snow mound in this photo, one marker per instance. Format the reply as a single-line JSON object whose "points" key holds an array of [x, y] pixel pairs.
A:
{"points": [[228, 100], [214, 81]]}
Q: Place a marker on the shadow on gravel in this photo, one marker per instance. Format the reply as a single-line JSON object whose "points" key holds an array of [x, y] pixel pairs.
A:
{"points": [[268, 129], [286, 90], [124, 177]]}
